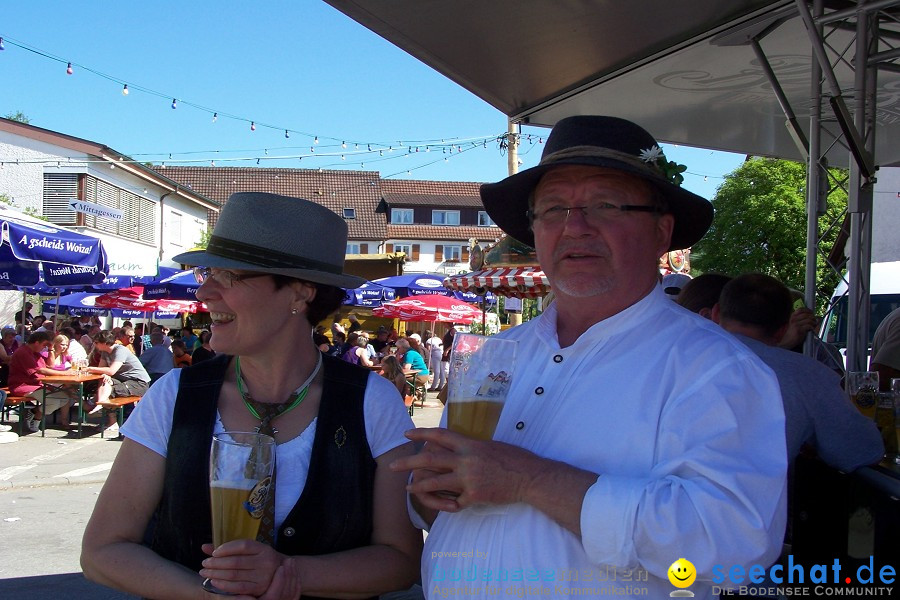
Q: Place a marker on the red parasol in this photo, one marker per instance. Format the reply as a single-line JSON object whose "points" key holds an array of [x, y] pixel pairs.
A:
{"points": [[131, 299], [429, 308]]}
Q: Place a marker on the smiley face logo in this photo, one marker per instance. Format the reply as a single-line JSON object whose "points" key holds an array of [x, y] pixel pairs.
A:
{"points": [[682, 573]]}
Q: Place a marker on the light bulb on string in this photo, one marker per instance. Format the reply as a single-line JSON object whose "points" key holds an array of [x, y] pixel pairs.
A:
{"points": [[316, 140], [125, 90], [174, 103], [381, 153], [362, 165], [343, 157], [343, 144], [356, 146], [257, 161], [212, 163], [705, 178], [252, 126], [215, 117], [69, 70], [2, 47], [286, 134], [311, 149], [370, 147]]}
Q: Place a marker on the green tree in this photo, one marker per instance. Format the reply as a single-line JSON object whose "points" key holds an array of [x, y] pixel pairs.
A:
{"points": [[18, 116], [760, 224]]}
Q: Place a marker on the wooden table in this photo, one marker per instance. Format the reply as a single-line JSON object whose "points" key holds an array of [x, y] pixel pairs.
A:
{"points": [[66, 378]]}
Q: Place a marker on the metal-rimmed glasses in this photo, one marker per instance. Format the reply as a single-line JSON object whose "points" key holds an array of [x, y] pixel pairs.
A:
{"points": [[594, 214], [223, 277]]}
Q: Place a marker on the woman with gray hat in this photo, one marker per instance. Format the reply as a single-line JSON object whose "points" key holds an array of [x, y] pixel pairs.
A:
{"points": [[339, 527]]}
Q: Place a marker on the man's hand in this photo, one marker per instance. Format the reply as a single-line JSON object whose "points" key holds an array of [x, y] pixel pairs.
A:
{"points": [[454, 471], [802, 321]]}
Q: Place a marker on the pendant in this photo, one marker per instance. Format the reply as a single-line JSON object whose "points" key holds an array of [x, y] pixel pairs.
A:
{"points": [[269, 429]]}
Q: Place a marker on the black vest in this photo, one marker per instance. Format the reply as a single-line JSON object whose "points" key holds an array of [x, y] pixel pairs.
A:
{"points": [[334, 511]]}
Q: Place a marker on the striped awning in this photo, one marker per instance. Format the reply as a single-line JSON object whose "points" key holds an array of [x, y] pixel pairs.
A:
{"points": [[515, 282]]}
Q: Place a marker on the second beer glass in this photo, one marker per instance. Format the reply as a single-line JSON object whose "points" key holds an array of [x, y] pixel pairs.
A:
{"points": [[480, 375]]}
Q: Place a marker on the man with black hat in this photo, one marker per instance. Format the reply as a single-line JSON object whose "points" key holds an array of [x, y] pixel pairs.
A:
{"points": [[635, 433]]}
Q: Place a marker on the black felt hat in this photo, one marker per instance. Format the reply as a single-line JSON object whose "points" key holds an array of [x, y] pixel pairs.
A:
{"points": [[602, 142]]}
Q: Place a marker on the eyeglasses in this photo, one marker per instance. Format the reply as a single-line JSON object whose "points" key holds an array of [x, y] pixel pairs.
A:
{"points": [[224, 278], [594, 214]]}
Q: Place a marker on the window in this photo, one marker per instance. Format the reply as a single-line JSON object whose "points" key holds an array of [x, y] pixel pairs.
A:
{"points": [[402, 216], [403, 247], [173, 228], [452, 253], [350, 213], [484, 220], [139, 217], [352, 248], [445, 217]]}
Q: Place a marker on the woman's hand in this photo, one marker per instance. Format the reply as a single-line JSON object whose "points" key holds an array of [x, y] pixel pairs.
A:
{"points": [[250, 569]]}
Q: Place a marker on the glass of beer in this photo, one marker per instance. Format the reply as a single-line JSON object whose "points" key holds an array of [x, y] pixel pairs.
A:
{"points": [[863, 389], [240, 472], [480, 375]]}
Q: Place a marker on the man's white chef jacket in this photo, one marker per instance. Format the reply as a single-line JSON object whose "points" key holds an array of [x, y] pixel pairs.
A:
{"points": [[684, 426]]}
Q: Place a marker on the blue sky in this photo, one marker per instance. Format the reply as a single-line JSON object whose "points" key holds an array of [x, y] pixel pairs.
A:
{"points": [[300, 66]]}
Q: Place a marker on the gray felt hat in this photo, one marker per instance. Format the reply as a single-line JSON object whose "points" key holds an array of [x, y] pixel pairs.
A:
{"points": [[268, 233]]}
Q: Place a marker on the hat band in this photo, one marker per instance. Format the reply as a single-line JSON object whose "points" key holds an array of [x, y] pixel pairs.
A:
{"points": [[598, 152], [265, 257]]}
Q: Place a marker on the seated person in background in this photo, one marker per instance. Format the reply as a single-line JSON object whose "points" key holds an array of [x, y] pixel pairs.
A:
{"points": [[700, 294], [124, 375], [381, 339], [87, 341], [356, 352], [756, 309], [57, 355], [320, 339], [204, 351], [158, 360], [339, 345], [886, 350], [8, 345], [412, 360], [76, 350], [189, 338], [125, 337], [180, 354], [803, 320], [393, 372], [167, 341], [26, 369]]}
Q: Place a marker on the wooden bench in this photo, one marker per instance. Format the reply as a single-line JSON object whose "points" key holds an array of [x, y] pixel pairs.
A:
{"points": [[18, 404], [116, 405]]}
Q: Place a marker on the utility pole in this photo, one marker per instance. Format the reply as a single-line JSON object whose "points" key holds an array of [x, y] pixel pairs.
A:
{"points": [[512, 156]]}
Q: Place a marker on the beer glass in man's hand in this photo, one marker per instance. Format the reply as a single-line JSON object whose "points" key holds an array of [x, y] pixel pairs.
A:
{"points": [[480, 375], [240, 473]]}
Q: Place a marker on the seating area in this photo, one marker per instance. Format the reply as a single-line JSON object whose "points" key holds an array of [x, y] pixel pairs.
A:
{"points": [[116, 405], [18, 405]]}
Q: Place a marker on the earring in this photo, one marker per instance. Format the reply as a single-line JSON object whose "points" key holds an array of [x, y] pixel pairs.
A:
{"points": [[294, 311]]}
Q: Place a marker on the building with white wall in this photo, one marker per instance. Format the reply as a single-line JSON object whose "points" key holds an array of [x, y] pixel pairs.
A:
{"points": [[42, 172]]}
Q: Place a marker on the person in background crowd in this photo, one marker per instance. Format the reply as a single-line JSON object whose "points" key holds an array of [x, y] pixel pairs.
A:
{"points": [[393, 336], [445, 357], [673, 283], [76, 350], [158, 360], [125, 337], [123, 374], [756, 309], [434, 346], [381, 339], [803, 320], [393, 372], [633, 432], [354, 323], [167, 341], [189, 338], [42, 323], [180, 354], [204, 351], [412, 360], [336, 328], [26, 369], [320, 339], [87, 341], [339, 344], [701, 293], [8, 345], [28, 316], [57, 355], [886, 350], [356, 352], [415, 342]]}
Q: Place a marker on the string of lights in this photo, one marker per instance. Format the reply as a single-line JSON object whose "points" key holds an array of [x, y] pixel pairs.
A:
{"points": [[348, 149]]}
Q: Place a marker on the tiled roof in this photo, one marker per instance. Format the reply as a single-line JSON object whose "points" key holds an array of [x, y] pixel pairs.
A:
{"points": [[335, 189], [430, 188], [439, 232], [449, 201]]}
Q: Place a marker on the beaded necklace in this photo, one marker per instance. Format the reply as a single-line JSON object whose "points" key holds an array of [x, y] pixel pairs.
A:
{"points": [[266, 413]]}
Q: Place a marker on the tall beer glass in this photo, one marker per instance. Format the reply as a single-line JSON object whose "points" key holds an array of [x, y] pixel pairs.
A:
{"points": [[863, 388], [480, 375], [240, 471]]}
